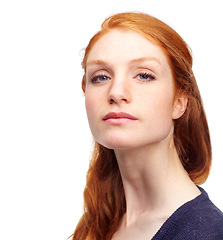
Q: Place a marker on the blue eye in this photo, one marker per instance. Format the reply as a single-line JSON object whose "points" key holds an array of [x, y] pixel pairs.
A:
{"points": [[146, 76], [99, 78]]}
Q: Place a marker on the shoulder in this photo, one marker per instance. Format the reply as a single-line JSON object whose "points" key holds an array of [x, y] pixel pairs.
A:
{"points": [[203, 210], [202, 218], [206, 216], [195, 220]]}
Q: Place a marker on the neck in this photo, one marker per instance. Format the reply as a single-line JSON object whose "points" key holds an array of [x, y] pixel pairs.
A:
{"points": [[154, 180]]}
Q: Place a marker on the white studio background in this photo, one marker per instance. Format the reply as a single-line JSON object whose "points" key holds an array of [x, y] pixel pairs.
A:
{"points": [[45, 140]]}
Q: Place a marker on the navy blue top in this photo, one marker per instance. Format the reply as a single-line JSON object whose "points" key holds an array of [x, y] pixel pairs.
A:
{"points": [[198, 219]]}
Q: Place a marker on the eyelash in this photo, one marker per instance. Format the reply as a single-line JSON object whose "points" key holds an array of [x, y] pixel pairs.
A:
{"points": [[147, 77], [95, 79]]}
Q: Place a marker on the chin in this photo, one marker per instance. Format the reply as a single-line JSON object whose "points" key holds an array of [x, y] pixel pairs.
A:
{"points": [[117, 143], [133, 142]]}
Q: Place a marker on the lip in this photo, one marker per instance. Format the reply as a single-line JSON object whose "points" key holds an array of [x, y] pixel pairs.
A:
{"points": [[118, 118]]}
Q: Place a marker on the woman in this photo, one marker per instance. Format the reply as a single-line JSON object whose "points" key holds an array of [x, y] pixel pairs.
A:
{"points": [[152, 143]]}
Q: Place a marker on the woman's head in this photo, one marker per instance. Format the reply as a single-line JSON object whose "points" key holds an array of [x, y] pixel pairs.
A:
{"points": [[127, 74], [191, 135]]}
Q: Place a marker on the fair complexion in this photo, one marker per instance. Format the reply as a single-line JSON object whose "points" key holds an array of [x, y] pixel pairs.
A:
{"points": [[127, 74]]}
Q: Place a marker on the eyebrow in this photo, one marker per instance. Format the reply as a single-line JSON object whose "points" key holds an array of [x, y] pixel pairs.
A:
{"points": [[96, 62], [133, 61], [145, 59]]}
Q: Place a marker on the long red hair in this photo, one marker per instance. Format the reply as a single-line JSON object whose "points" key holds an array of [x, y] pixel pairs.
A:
{"points": [[104, 199]]}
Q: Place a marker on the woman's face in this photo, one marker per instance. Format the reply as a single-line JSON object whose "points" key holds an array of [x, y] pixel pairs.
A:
{"points": [[129, 91]]}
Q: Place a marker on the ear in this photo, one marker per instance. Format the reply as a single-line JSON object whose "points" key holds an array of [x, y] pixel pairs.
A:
{"points": [[179, 106]]}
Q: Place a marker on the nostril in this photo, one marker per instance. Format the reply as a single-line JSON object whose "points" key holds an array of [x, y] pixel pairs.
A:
{"points": [[111, 101], [116, 100]]}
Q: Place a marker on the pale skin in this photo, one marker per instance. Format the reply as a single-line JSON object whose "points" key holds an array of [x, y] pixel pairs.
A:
{"points": [[127, 73]]}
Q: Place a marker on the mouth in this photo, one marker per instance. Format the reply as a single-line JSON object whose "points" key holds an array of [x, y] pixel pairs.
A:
{"points": [[118, 118]]}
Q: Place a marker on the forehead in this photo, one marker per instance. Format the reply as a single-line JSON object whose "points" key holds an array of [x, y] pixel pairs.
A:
{"points": [[120, 46]]}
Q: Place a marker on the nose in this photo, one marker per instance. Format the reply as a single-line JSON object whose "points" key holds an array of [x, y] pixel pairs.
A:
{"points": [[119, 92]]}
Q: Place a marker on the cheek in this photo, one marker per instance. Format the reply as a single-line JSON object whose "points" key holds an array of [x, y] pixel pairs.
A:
{"points": [[159, 114], [92, 104], [164, 116], [91, 107], [159, 101], [164, 107], [89, 104]]}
